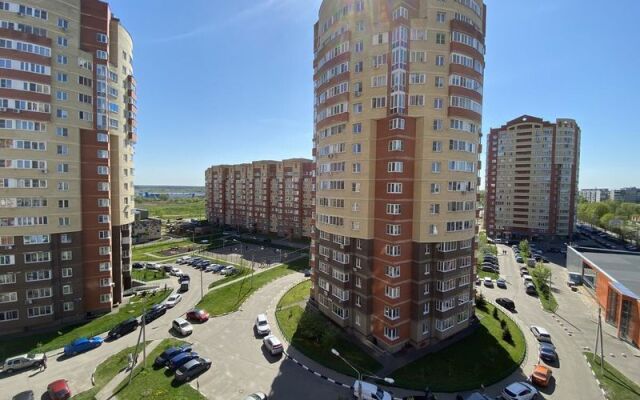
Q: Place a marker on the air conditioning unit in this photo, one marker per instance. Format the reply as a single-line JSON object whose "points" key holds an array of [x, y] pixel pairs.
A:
{"points": [[15, 110], [2, 109], [20, 14], [45, 171]]}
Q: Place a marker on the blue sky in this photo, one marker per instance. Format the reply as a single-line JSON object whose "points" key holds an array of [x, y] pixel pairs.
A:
{"points": [[231, 81]]}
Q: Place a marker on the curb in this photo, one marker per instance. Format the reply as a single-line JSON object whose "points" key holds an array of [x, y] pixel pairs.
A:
{"points": [[600, 385]]}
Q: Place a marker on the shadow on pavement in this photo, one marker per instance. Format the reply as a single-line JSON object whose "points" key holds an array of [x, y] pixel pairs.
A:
{"points": [[269, 357], [550, 388]]}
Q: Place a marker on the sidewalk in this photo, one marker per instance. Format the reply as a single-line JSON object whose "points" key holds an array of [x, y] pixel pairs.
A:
{"points": [[107, 390]]}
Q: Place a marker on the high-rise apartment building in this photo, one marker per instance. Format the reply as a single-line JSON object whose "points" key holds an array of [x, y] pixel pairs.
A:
{"points": [[532, 178], [595, 195], [398, 110], [263, 196], [627, 195], [67, 131]]}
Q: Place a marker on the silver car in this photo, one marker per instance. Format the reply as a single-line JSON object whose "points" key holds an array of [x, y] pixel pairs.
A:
{"points": [[22, 361]]}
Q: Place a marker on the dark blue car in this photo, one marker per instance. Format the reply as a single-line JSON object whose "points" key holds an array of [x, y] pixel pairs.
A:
{"points": [[181, 359], [81, 345], [169, 353], [548, 352]]}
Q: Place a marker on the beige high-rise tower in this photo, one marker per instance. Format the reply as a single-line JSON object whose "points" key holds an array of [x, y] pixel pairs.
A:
{"points": [[398, 110], [67, 134]]}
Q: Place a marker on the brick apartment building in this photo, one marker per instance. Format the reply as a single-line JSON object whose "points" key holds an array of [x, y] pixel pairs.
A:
{"points": [[269, 197], [67, 135], [532, 178], [398, 111]]}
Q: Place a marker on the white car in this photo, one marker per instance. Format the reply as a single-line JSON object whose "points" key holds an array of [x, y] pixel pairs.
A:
{"points": [[368, 391], [540, 333], [488, 282], [176, 271], [172, 300], [519, 391], [181, 326], [273, 344], [262, 325]]}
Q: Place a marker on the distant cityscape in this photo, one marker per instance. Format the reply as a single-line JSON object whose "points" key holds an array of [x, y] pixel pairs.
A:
{"points": [[171, 192], [625, 195]]}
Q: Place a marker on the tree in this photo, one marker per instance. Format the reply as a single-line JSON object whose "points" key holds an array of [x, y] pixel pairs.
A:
{"points": [[495, 313], [542, 273], [524, 249], [605, 220], [506, 336]]}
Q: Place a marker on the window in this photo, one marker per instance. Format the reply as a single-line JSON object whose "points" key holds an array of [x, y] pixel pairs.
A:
{"points": [[394, 187], [400, 12], [103, 186], [104, 234], [358, 66], [67, 272], [356, 148], [435, 188], [396, 145], [392, 250], [360, 26], [85, 116], [396, 123], [391, 312], [104, 250], [417, 78], [62, 95], [66, 289], [63, 23], [439, 81], [433, 229], [393, 229], [435, 167], [103, 170], [62, 41], [41, 275], [392, 292], [437, 103], [395, 166], [101, 54], [104, 219], [67, 306], [105, 298], [356, 168], [39, 311], [393, 209], [62, 113], [439, 61], [7, 259], [391, 333], [63, 132], [379, 102], [101, 38], [103, 137], [441, 17], [357, 108], [440, 38], [62, 59], [436, 146], [64, 221], [418, 56], [63, 186], [63, 203], [434, 208], [359, 46], [437, 124], [425, 308]]}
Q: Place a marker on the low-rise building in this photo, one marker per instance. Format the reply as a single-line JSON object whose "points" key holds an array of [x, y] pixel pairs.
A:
{"points": [[612, 278], [595, 195], [145, 228]]}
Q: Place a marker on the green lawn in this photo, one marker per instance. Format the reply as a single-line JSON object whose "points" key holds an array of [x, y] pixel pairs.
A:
{"points": [[147, 275], [156, 384], [229, 298], [617, 386], [547, 299], [314, 335], [54, 340], [242, 271], [106, 371], [296, 294], [481, 358], [492, 275], [153, 252], [175, 208]]}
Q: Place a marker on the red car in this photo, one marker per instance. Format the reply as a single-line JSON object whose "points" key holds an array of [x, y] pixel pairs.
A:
{"points": [[59, 390], [198, 315]]}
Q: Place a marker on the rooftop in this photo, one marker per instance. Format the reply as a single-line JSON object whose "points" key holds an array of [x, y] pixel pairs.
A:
{"points": [[623, 267]]}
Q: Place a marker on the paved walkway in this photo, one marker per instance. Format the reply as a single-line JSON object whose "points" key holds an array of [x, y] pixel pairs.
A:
{"points": [[106, 392]]}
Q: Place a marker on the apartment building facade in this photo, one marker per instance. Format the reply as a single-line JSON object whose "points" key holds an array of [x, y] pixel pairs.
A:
{"points": [[398, 110], [67, 135], [595, 195], [532, 178], [627, 195], [262, 196]]}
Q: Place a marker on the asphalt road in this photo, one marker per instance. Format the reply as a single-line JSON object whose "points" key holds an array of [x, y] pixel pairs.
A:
{"points": [[572, 376]]}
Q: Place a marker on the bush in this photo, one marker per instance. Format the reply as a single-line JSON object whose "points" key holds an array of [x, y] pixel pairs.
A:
{"points": [[506, 335], [503, 324], [495, 313], [481, 302]]}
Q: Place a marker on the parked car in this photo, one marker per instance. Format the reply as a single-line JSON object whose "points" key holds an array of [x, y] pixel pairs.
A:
{"points": [[152, 266], [172, 300], [166, 268], [26, 395], [506, 303], [519, 391], [501, 283], [219, 267], [541, 375], [22, 362], [530, 289], [526, 278], [273, 345], [488, 282], [182, 326], [262, 325], [154, 312], [369, 391], [229, 270], [169, 353], [489, 268], [123, 328], [137, 265], [519, 259], [59, 390], [524, 271], [540, 333], [82, 344], [184, 286], [184, 277], [181, 359], [192, 369], [547, 352], [175, 271], [198, 315], [256, 396], [478, 396]]}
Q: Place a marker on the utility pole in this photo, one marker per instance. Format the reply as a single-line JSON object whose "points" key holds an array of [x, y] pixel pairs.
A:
{"points": [[599, 341], [144, 338], [201, 289]]}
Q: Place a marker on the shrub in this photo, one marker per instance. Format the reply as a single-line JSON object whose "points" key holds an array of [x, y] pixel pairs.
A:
{"points": [[506, 335], [503, 324], [481, 302], [495, 313]]}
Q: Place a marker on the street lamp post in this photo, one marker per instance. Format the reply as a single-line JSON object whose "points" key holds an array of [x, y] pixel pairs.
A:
{"points": [[360, 375]]}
